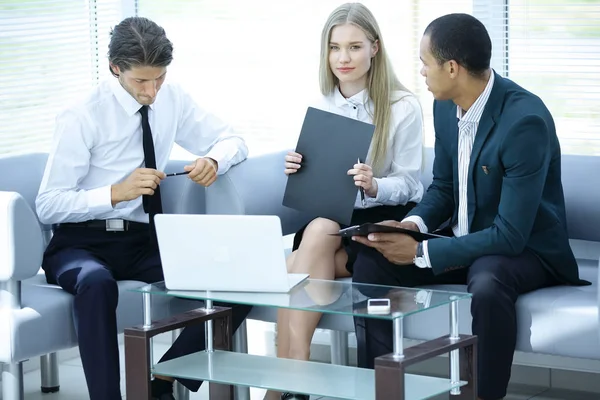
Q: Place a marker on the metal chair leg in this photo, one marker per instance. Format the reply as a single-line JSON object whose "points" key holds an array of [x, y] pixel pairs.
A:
{"points": [[49, 373], [12, 381], [339, 347]]}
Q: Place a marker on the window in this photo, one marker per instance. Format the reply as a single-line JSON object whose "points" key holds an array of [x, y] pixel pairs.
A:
{"points": [[50, 52], [554, 51], [255, 62]]}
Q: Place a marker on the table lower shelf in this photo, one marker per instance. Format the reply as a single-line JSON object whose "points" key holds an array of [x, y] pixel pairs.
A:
{"points": [[312, 378]]}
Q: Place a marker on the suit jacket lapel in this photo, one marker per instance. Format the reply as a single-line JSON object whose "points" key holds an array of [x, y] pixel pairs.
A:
{"points": [[492, 109]]}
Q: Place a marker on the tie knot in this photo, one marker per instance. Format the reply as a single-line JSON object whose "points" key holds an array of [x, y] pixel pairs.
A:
{"points": [[144, 111]]}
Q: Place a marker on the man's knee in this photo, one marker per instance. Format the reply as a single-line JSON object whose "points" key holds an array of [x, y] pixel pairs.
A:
{"points": [[362, 269], [488, 280], [98, 281]]}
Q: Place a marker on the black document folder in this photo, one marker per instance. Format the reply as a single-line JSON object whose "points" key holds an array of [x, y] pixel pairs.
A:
{"points": [[330, 145], [365, 229]]}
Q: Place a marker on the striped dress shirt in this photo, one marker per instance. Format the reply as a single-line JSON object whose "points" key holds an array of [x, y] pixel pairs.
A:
{"points": [[467, 129]]}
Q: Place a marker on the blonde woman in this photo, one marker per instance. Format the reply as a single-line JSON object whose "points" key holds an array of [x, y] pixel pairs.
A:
{"points": [[357, 81]]}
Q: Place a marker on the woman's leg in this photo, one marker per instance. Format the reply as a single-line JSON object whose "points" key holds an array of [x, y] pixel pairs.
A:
{"points": [[322, 257]]}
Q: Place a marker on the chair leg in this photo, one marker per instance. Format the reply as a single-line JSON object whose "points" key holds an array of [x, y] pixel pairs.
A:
{"points": [[180, 391], [12, 381], [240, 339], [339, 347], [49, 373], [240, 345]]}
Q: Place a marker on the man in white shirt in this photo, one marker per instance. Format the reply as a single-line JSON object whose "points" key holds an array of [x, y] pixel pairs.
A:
{"points": [[497, 182], [101, 190]]}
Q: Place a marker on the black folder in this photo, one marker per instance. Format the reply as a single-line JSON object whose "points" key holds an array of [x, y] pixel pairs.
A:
{"points": [[330, 145], [367, 228]]}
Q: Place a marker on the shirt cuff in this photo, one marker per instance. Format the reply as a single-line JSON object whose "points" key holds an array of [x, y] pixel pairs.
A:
{"points": [[417, 220], [212, 162], [426, 254], [223, 152], [221, 158], [383, 191], [99, 200]]}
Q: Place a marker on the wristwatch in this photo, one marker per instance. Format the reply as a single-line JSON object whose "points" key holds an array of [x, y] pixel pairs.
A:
{"points": [[419, 259]]}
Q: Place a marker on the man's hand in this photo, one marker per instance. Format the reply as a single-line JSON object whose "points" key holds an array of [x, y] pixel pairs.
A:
{"points": [[397, 248], [203, 171], [141, 181], [411, 226]]}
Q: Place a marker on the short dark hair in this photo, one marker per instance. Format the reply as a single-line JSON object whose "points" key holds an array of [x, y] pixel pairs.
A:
{"points": [[138, 41], [462, 38]]}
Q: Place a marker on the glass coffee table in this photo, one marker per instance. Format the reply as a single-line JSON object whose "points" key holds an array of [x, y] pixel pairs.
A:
{"points": [[224, 368]]}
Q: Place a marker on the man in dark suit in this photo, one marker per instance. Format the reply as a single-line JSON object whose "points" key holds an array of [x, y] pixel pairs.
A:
{"points": [[497, 181]]}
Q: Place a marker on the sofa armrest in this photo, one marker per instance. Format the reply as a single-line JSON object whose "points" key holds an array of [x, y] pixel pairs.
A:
{"points": [[255, 187], [21, 240]]}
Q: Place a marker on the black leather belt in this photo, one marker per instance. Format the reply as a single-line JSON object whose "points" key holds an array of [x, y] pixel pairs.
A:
{"points": [[109, 225]]}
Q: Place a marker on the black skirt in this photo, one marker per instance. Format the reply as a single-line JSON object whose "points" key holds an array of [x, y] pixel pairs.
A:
{"points": [[361, 216]]}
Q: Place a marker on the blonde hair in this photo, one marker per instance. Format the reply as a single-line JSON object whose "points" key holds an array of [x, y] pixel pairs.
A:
{"points": [[381, 80]]}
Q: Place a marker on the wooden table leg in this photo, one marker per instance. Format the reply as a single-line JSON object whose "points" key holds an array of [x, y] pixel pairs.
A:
{"points": [[389, 371], [137, 346], [137, 367]]}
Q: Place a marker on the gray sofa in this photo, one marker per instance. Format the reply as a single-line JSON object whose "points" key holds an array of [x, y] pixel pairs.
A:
{"points": [[559, 321], [37, 318]]}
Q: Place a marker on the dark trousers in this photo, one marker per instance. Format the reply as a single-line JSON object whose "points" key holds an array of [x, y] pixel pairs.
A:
{"points": [[495, 283], [88, 263]]}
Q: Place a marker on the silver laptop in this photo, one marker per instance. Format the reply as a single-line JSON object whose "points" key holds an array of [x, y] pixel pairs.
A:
{"points": [[239, 253]]}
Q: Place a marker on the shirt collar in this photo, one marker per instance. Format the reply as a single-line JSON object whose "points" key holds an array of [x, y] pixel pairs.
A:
{"points": [[129, 104], [360, 98], [474, 113]]}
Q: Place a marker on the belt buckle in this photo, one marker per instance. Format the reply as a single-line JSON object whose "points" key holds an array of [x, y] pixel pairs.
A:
{"points": [[115, 225]]}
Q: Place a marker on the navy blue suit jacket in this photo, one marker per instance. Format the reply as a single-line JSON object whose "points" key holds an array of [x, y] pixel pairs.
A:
{"points": [[515, 194]]}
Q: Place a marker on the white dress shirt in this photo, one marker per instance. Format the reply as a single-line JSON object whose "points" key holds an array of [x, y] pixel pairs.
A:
{"points": [[400, 181], [467, 129], [98, 143]]}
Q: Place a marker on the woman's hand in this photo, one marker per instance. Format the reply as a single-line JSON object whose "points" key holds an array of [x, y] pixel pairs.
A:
{"points": [[292, 162], [363, 177]]}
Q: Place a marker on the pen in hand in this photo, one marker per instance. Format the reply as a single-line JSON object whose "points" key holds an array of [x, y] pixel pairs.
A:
{"points": [[178, 173], [362, 193]]}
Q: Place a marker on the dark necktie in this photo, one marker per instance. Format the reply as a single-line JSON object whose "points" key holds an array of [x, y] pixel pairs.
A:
{"points": [[152, 204]]}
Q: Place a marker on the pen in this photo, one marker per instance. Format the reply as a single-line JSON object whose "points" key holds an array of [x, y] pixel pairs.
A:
{"points": [[178, 173], [362, 193]]}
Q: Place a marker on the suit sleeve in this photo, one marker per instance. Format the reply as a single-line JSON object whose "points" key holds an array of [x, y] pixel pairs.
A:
{"points": [[525, 155], [437, 205]]}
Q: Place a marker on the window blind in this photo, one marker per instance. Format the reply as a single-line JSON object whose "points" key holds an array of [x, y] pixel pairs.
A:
{"points": [[50, 52], [255, 63], [554, 51]]}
